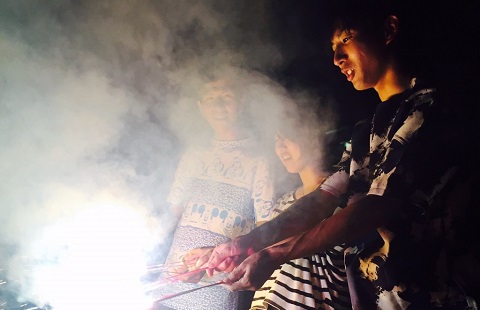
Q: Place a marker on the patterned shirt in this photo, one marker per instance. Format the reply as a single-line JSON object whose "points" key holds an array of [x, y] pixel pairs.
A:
{"points": [[410, 156], [224, 189]]}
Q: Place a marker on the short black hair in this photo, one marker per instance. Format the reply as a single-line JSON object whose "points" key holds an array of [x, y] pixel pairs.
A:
{"points": [[364, 15], [369, 17]]}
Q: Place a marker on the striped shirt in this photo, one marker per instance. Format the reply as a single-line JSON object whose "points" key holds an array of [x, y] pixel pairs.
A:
{"points": [[314, 282]]}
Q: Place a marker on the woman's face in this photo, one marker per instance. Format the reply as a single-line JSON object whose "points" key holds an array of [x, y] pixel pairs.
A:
{"points": [[219, 106], [290, 154]]}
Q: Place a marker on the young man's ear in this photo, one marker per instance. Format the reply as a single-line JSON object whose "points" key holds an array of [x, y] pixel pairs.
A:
{"points": [[391, 28]]}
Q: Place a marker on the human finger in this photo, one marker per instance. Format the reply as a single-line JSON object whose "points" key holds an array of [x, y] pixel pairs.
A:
{"points": [[223, 266], [238, 280], [197, 258], [251, 273], [221, 253]]}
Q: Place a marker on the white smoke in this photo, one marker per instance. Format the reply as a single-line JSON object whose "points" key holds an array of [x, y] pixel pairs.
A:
{"points": [[88, 151], [95, 101]]}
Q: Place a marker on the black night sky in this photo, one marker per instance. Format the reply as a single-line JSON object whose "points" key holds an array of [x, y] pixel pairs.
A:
{"points": [[445, 36]]}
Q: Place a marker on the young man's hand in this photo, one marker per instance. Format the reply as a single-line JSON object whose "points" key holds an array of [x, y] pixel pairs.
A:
{"points": [[227, 256], [252, 273]]}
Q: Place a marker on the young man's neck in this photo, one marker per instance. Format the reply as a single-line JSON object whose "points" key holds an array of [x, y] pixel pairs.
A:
{"points": [[392, 83]]}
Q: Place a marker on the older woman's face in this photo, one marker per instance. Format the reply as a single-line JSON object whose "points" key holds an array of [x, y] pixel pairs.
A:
{"points": [[219, 105]]}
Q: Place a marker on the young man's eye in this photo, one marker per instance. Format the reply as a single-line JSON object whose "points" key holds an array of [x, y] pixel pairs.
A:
{"points": [[346, 39]]}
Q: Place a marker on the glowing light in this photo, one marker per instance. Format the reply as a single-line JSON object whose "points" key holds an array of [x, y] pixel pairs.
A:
{"points": [[93, 260]]}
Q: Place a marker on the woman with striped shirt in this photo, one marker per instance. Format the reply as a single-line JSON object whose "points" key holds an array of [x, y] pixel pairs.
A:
{"points": [[317, 281]]}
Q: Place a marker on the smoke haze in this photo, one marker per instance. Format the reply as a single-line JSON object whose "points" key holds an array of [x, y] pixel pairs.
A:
{"points": [[96, 104]]}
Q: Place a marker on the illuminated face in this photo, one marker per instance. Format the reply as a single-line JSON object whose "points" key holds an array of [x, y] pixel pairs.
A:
{"points": [[360, 61], [219, 106], [290, 153]]}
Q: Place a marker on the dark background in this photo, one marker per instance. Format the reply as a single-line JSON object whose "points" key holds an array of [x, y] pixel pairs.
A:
{"points": [[444, 36]]}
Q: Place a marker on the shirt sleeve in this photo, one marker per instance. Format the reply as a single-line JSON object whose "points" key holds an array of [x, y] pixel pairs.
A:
{"points": [[352, 169], [180, 182], [336, 184], [263, 193]]}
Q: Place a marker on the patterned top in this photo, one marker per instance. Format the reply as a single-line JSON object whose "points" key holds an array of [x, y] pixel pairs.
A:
{"points": [[314, 282], [407, 153], [224, 189]]}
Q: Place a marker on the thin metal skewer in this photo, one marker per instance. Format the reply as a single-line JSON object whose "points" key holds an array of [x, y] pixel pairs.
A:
{"points": [[189, 273], [187, 291], [173, 279]]}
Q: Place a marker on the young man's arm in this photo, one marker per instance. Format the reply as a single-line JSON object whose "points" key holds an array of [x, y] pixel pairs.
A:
{"points": [[304, 214], [351, 223], [300, 217]]}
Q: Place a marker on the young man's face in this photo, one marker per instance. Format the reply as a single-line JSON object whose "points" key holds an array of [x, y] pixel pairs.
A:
{"points": [[360, 60]]}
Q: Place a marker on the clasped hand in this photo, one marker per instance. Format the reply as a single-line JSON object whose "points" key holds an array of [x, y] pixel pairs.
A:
{"points": [[191, 268], [211, 260], [246, 272]]}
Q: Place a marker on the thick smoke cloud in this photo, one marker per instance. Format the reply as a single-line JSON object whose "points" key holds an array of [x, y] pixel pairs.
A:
{"points": [[95, 106]]}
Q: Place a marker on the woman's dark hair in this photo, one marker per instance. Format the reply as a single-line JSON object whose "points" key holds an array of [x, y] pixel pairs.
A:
{"points": [[306, 122]]}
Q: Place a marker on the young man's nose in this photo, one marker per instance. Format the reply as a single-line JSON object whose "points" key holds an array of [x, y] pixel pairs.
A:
{"points": [[339, 57]]}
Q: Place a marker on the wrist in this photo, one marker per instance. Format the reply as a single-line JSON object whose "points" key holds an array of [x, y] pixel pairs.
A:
{"points": [[245, 244], [275, 255]]}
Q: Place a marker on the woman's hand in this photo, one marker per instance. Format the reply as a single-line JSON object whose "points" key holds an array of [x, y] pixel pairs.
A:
{"points": [[190, 268], [196, 258]]}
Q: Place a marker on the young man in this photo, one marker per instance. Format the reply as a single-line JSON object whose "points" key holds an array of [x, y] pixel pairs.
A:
{"points": [[395, 181]]}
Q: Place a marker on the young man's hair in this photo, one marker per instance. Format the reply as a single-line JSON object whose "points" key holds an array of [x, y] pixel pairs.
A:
{"points": [[369, 17], [364, 15]]}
